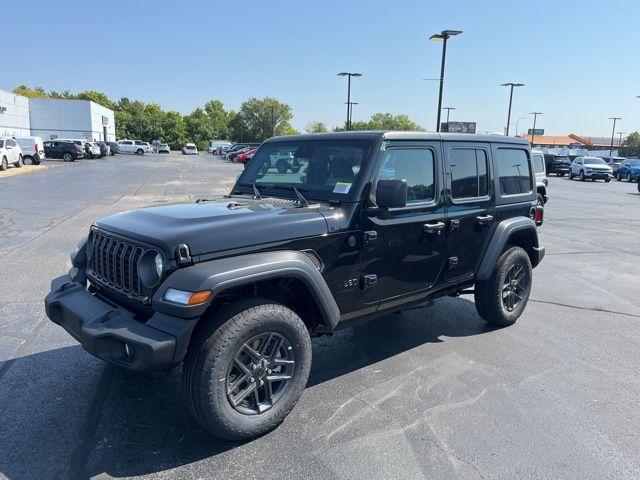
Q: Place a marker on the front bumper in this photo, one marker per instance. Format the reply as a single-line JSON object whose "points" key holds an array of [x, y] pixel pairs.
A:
{"points": [[598, 175], [112, 333]]}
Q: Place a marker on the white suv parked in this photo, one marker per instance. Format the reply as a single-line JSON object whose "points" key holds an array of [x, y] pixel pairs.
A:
{"points": [[134, 146], [10, 152], [593, 168]]}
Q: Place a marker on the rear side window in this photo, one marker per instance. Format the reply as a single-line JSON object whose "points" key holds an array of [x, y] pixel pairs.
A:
{"points": [[514, 173], [538, 163], [416, 166], [1, 143], [468, 167]]}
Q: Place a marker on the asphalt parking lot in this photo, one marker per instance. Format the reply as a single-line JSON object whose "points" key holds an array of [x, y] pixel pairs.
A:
{"points": [[431, 393]]}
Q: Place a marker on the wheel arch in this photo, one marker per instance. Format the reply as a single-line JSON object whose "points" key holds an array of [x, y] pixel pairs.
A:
{"points": [[518, 231], [287, 277]]}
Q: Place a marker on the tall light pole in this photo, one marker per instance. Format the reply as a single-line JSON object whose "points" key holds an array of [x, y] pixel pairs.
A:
{"points": [[442, 37], [613, 132], [511, 86], [349, 75], [533, 131], [620, 134], [448, 109], [350, 114]]}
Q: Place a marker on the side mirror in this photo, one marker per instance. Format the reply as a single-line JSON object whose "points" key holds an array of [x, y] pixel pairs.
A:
{"points": [[391, 193]]}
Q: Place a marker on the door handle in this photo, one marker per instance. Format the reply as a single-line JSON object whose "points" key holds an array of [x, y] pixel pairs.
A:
{"points": [[483, 219], [433, 227]]}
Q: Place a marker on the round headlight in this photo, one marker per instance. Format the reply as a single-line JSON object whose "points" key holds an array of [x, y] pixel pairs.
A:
{"points": [[159, 265]]}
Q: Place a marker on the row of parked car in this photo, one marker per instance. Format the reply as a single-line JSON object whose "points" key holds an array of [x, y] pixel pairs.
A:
{"points": [[237, 152], [593, 168]]}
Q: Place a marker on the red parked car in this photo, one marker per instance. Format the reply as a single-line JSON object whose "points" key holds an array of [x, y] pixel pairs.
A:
{"points": [[244, 157]]}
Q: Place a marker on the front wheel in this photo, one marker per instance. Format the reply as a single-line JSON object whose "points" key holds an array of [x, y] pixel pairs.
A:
{"points": [[607, 180], [140, 152], [561, 174], [629, 177], [245, 372], [67, 157], [4, 164], [570, 174], [582, 177], [502, 299]]}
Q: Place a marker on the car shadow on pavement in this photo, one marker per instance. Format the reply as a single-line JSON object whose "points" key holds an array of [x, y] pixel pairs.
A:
{"points": [[139, 425]]}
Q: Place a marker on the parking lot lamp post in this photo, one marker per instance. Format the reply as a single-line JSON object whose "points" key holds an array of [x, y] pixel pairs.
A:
{"points": [[613, 133], [442, 37], [350, 114], [511, 86], [349, 75], [448, 109], [533, 131]]}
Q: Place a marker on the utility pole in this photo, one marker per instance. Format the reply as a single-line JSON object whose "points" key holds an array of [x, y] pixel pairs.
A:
{"points": [[511, 85], [613, 132], [533, 131]]}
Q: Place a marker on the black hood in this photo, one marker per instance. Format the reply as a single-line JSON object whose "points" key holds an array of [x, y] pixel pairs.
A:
{"points": [[216, 225]]}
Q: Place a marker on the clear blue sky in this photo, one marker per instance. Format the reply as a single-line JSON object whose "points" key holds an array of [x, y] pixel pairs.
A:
{"points": [[579, 59]]}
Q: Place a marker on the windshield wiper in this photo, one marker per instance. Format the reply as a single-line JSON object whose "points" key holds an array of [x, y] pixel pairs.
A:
{"points": [[303, 201], [256, 192]]}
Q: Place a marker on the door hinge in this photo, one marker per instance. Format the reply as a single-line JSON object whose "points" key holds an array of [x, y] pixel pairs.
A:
{"points": [[453, 263], [369, 281], [370, 237]]}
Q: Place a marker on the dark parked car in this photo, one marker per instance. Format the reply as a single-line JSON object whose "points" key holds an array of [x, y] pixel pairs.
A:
{"points": [[68, 151], [372, 223], [558, 164], [104, 149], [113, 148]]}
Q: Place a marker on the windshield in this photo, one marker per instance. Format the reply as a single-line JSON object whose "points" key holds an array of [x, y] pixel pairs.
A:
{"points": [[594, 161], [326, 169], [634, 163]]}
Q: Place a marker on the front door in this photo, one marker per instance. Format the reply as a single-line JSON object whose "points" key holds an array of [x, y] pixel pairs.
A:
{"points": [[470, 206], [404, 248]]}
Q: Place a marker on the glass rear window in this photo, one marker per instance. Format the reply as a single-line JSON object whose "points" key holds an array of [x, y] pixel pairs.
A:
{"points": [[514, 173]]}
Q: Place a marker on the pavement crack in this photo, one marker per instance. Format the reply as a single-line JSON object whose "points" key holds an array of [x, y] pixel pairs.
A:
{"points": [[590, 309], [87, 440]]}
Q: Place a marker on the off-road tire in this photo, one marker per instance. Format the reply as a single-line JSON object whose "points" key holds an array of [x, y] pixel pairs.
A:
{"points": [[3, 164], [19, 163], [488, 293], [213, 349]]}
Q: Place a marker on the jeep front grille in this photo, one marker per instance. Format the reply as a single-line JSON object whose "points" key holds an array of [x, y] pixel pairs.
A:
{"points": [[113, 263]]}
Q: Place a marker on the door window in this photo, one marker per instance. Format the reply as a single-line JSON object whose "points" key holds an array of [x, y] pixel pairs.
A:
{"points": [[514, 172], [416, 167], [538, 163], [468, 167]]}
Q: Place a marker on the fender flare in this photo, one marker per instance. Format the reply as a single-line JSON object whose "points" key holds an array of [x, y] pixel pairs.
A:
{"points": [[222, 274], [499, 239]]}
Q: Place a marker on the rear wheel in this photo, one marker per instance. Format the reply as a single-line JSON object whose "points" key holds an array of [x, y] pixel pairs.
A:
{"points": [[629, 177], [4, 164], [19, 163], [140, 151], [570, 174], [245, 371], [67, 157], [502, 299], [582, 177]]}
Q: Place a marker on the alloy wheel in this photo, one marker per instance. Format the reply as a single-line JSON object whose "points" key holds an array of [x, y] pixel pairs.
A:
{"points": [[260, 373], [514, 287]]}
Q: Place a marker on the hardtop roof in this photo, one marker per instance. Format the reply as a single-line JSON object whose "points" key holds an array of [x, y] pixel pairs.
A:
{"points": [[394, 135]]}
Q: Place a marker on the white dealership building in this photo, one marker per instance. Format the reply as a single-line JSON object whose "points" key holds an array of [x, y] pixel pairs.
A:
{"points": [[51, 118]]}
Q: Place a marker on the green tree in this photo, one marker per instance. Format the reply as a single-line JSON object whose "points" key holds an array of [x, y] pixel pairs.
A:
{"points": [[315, 127], [265, 118], [174, 129], [198, 128], [36, 92], [218, 118], [631, 146], [385, 121], [98, 97]]}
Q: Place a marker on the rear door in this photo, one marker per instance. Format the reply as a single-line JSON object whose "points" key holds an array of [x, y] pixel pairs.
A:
{"points": [[470, 206]]}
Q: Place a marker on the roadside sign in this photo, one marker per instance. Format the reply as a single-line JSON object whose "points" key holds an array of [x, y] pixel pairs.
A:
{"points": [[105, 121], [458, 127], [537, 131]]}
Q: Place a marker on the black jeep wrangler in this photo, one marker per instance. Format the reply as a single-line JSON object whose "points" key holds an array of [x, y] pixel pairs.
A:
{"points": [[371, 223]]}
